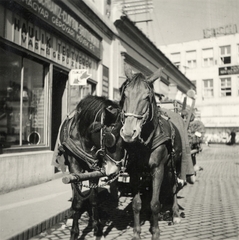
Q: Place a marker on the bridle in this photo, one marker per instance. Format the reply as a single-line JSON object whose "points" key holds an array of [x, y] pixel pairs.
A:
{"points": [[144, 117], [103, 142], [92, 160]]}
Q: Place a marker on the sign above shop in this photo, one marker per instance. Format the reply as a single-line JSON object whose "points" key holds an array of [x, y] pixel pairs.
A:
{"points": [[78, 77], [229, 70], [52, 13]]}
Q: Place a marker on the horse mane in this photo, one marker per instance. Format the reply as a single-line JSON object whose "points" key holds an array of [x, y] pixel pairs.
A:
{"points": [[89, 109]]}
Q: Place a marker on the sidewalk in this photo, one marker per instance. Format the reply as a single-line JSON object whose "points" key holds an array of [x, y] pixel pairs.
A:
{"points": [[27, 212]]}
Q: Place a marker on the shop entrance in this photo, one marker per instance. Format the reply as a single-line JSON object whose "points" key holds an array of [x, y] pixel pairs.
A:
{"points": [[59, 102]]}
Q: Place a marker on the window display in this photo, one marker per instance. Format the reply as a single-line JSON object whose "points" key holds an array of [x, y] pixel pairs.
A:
{"points": [[22, 96]]}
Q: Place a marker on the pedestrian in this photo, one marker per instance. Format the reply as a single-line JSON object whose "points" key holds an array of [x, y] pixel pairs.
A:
{"points": [[232, 139]]}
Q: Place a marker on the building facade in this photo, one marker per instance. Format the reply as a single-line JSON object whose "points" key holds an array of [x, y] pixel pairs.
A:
{"points": [[212, 64], [41, 43]]}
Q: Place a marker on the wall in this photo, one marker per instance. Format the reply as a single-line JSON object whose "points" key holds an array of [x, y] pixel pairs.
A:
{"points": [[25, 169]]}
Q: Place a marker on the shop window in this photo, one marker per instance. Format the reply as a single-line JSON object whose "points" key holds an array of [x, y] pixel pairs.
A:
{"points": [[225, 55], [208, 88], [226, 89], [22, 101]]}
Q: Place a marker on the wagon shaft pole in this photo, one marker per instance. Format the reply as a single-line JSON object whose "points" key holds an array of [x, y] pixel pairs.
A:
{"points": [[74, 178]]}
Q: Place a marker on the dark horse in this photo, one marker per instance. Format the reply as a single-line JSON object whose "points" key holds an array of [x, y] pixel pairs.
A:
{"points": [[91, 147], [154, 146]]}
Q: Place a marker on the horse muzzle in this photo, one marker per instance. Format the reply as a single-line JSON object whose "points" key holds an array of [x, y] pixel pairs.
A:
{"points": [[130, 135]]}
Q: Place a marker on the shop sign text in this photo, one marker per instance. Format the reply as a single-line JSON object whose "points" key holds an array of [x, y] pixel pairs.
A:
{"points": [[229, 70], [220, 31], [54, 15], [46, 44]]}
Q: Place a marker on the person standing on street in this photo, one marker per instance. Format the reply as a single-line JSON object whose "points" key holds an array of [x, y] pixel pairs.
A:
{"points": [[232, 139]]}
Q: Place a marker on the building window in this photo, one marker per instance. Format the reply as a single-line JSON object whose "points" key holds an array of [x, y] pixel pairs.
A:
{"points": [[175, 58], [207, 57], [225, 55], [22, 102], [226, 89], [208, 88], [191, 59]]}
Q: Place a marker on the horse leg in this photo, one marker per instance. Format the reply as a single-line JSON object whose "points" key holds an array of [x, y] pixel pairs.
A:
{"points": [[75, 226], [136, 205], [155, 204], [157, 179], [98, 228], [175, 207], [76, 207]]}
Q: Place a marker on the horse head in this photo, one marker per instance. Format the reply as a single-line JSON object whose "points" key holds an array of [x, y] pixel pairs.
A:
{"points": [[103, 135], [138, 105]]}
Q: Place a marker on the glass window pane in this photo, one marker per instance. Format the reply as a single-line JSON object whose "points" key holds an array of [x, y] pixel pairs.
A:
{"points": [[10, 88], [33, 103]]}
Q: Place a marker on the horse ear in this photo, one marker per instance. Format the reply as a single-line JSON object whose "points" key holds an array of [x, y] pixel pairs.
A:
{"points": [[157, 74], [128, 71]]}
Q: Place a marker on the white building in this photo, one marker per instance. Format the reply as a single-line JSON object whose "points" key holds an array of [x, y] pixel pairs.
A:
{"points": [[212, 64]]}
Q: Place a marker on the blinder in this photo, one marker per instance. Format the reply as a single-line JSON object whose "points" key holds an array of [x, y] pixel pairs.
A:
{"points": [[109, 139]]}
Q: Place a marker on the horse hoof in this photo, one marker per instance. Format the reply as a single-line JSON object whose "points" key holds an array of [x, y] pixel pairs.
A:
{"points": [[156, 236], [176, 220], [136, 237], [99, 238]]}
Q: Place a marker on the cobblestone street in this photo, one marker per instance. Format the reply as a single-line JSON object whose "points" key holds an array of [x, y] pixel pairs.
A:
{"points": [[210, 207]]}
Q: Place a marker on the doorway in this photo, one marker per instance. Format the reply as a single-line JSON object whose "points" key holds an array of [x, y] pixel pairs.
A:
{"points": [[59, 102]]}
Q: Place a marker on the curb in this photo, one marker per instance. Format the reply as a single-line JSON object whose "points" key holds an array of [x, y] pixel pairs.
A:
{"points": [[41, 227]]}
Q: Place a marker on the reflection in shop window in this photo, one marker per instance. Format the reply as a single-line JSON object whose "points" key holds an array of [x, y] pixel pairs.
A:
{"points": [[22, 115]]}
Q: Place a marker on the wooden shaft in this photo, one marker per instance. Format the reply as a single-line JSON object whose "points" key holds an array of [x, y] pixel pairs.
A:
{"points": [[81, 177]]}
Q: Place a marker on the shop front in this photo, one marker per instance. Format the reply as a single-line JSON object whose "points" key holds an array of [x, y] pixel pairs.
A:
{"points": [[39, 46]]}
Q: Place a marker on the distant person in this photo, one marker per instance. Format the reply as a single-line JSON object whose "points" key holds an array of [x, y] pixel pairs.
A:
{"points": [[232, 139]]}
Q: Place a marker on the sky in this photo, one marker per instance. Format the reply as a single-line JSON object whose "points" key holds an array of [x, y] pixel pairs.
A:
{"points": [[176, 21]]}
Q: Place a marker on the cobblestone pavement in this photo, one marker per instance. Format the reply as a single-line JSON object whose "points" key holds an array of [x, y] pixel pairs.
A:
{"points": [[210, 207]]}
